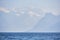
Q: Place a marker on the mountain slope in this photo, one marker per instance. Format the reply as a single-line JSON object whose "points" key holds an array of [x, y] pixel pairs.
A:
{"points": [[49, 23]]}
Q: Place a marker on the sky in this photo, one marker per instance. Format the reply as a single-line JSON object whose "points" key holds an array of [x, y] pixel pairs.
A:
{"points": [[29, 15]]}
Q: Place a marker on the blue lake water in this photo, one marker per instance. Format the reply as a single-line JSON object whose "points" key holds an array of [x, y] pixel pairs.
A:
{"points": [[29, 36]]}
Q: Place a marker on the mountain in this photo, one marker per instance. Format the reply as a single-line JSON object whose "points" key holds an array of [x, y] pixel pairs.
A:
{"points": [[49, 23]]}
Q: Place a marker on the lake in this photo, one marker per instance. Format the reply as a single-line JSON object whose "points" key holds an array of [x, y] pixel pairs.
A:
{"points": [[29, 36]]}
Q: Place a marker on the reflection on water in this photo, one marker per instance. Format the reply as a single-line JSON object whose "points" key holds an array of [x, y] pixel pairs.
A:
{"points": [[29, 36]]}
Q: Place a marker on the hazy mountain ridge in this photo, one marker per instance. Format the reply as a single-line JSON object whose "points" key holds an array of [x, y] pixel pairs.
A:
{"points": [[49, 22]]}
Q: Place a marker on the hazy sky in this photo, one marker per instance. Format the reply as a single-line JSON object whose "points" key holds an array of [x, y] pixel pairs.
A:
{"points": [[29, 15]]}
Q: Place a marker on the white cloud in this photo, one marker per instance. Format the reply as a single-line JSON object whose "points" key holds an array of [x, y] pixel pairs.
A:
{"points": [[54, 12], [22, 12], [18, 10], [34, 14], [44, 11], [4, 10], [31, 12], [17, 14], [14, 10]]}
